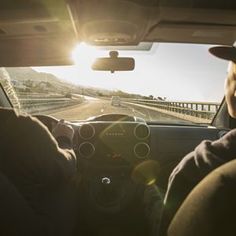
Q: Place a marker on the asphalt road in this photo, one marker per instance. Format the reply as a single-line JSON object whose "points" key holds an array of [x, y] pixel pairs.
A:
{"points": [[94, 107]]}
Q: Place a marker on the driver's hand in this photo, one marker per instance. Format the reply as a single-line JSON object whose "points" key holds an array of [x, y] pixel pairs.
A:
{"points": [[230, 89], [61, 129]]}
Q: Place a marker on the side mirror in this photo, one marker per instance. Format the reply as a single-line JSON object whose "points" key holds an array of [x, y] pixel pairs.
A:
{"points": [[114, 63]]}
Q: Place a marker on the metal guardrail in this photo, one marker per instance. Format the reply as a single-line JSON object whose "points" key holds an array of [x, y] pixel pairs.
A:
{"points": [[202, 110], [34, 105], [38, 95]]}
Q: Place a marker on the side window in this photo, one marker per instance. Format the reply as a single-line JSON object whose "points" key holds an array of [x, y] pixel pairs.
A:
{"points": [[4, 100], [7, 91]]}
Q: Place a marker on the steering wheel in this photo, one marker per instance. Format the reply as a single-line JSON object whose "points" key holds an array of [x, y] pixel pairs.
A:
{"points": [[115, 117], [48, 121]]}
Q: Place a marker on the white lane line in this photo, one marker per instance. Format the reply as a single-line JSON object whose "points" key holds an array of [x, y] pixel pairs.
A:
{"points": [[91, 98], [139, 112], [149, 116]]}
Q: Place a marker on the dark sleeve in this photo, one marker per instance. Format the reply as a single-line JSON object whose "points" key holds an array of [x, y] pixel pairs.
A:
{"points": [[30, 150], [40, 172], [18, 212], [64, 142], [192, 169]]}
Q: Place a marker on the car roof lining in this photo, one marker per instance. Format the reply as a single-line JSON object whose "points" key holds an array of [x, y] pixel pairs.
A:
{"points": [[40, 33]]}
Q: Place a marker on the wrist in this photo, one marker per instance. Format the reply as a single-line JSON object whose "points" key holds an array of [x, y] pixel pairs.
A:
{"points": [[64, 142]]}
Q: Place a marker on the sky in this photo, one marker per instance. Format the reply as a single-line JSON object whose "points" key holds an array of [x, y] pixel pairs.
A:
{"points": [[182, 72]]}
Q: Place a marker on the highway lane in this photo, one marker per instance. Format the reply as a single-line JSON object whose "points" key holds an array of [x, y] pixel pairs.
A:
{"points": [[94, 107]]}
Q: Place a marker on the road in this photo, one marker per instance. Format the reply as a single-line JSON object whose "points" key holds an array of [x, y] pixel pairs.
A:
{"points": [[95, 106]]}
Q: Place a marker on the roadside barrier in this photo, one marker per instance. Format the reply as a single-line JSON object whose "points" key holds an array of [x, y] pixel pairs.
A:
{"points": [[201, 110], [35, 104]]}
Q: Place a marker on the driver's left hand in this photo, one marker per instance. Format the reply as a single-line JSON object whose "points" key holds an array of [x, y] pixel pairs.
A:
{"points": [[61, 129]]}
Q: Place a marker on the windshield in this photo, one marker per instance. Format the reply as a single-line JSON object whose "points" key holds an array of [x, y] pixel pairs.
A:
{"points": [[172, 83]]}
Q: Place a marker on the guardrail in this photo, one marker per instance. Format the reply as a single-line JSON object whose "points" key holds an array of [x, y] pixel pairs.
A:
{"points": [[35, 105], [38, 95], [202, 110]]}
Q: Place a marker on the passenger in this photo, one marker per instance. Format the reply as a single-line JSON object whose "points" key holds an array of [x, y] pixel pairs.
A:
{"points": [[209, 210], [35, 175], [207, 156]]}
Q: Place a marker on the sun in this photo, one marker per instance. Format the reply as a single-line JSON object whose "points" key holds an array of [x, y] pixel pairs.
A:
{"points": [[84, 55]]}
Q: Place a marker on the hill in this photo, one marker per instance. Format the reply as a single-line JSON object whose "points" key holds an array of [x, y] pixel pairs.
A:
{"points": [[26, 79]]}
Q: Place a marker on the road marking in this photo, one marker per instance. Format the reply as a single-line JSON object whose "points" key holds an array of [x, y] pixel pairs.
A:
{"points": [[139, 112], [91, 98], [149, 116]]}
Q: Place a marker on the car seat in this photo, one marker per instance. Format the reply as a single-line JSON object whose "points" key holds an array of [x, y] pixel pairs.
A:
{"points": [[209, 210]]}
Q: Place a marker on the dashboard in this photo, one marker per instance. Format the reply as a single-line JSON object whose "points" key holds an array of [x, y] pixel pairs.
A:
{"points": [[118, 159], [116, 142], [123, 143], [119, 144]]}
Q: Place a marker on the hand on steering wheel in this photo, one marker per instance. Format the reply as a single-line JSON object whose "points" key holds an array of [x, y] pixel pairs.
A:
{"points": [[61, 129]]}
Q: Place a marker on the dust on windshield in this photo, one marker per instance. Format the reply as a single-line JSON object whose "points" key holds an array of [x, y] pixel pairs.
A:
{"points": [[174, 83]]}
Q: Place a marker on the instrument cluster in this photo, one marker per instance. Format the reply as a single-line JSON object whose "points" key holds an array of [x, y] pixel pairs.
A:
{"points": [[113, 141]]}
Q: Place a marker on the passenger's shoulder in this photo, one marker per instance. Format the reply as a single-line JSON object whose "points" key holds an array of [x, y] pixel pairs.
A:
{"points": [[196, 162]]}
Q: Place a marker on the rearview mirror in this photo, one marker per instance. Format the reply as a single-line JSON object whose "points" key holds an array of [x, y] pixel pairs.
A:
{"points": [[114, 63]]}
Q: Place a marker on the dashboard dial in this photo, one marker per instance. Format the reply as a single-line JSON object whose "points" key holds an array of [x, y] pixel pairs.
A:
{"points": [[141, 131], [86, 131], [141, 150], [86, 150]]}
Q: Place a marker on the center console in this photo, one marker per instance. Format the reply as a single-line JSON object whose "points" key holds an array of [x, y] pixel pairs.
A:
{"points": [[107, 154]]}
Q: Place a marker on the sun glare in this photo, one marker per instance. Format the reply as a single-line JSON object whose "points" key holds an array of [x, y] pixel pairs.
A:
{"points": [[84, 55]]}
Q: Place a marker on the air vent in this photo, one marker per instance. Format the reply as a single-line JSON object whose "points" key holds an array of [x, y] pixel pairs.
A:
{"points": [[141, 131], [141, 150], [86, 150], [86, 131]]}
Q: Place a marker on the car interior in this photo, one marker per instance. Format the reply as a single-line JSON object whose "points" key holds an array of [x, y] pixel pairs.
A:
{"points": [[119, 153]]}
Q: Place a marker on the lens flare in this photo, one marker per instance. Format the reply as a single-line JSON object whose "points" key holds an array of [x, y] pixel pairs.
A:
{"points": [[146, 173], [84, 55]]}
